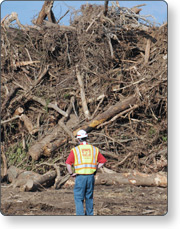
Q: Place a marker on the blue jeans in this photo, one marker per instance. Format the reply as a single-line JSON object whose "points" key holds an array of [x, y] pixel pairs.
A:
{"points": [[83, 190]]}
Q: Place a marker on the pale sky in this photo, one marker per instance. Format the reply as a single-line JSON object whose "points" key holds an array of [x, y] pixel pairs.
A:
{"points": [[27, 10]]}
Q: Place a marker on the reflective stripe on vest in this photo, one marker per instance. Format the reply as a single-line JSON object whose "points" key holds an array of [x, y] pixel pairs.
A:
{"points": [[85, 159]]}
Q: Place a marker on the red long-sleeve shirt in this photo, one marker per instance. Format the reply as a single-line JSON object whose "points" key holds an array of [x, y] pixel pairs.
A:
{"points": [[70, 159]]}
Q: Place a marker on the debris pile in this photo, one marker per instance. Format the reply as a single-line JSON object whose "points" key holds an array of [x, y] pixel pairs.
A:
{"points": [[105, 73]]}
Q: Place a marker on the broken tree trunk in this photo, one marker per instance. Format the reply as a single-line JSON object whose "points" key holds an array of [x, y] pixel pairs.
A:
{"points": [[112, 111], [28, 180], [41, 147], [10, 18], [18, 111], [46, 11], [52, 141], [28, 124], [31, 181], [105, 7], [132, 178], [37, 182]]}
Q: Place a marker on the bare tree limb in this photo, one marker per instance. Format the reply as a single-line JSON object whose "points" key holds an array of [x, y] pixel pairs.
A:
{"points": [[10, 18], [45, 11], [147, 51], [105, 7], [10, 120], [83, 97], [62, 16], [49, 105]]}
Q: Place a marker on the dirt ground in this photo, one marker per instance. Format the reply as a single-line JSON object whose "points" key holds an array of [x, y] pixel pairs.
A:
{"points": [[108, 200]]}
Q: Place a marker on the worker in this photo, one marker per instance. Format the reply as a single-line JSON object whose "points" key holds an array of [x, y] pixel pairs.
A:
{"points": [[86, 160]]}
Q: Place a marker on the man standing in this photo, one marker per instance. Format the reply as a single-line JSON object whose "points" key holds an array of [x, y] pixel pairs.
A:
{"points": [[86, 159]]}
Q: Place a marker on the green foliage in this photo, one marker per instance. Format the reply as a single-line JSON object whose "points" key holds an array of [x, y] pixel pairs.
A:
{"points": [[47, 103], [152, 131], [16, 155], [164, 138], [66, 96]]}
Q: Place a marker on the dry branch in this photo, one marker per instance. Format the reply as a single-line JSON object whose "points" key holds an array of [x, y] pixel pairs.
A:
{"points": [[43, 146], [18, 111], [48, 24], [106, 7], [111, 111], [147, 51], [63, 16], [118, 116], [52, 141], [10, 120], [9, 97], [45, 11], [83, 97], [65, 128], [10, 18], [28, 124], [49, 105], [27, 92], [24, 63], [41, 75]]}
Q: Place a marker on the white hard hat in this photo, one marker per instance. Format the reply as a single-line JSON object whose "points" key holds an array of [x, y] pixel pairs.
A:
{"points": [[82, 134]]}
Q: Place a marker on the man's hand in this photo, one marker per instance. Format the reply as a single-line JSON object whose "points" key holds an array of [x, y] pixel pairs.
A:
{"points": [[74, 175]]}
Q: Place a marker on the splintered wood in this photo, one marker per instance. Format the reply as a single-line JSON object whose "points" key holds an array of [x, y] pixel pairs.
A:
{"points": [[107, 69]]}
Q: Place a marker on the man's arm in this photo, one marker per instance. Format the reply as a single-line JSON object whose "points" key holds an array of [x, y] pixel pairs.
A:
{"points": [[100, 165], [69, 168], [100, 162], [69, 162]]}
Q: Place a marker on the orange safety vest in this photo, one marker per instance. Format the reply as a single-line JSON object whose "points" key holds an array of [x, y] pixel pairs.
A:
{"points": [[85, 159]]}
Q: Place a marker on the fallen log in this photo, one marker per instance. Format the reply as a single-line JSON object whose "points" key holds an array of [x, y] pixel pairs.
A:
{"points": [[52, 141], [28, 180], [132, 178], [31, 181], [41, 147], [112, 111], [28, 124]]}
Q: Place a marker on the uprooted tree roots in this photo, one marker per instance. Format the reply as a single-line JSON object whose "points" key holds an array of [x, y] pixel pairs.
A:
{"points": [[105, 73]]}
